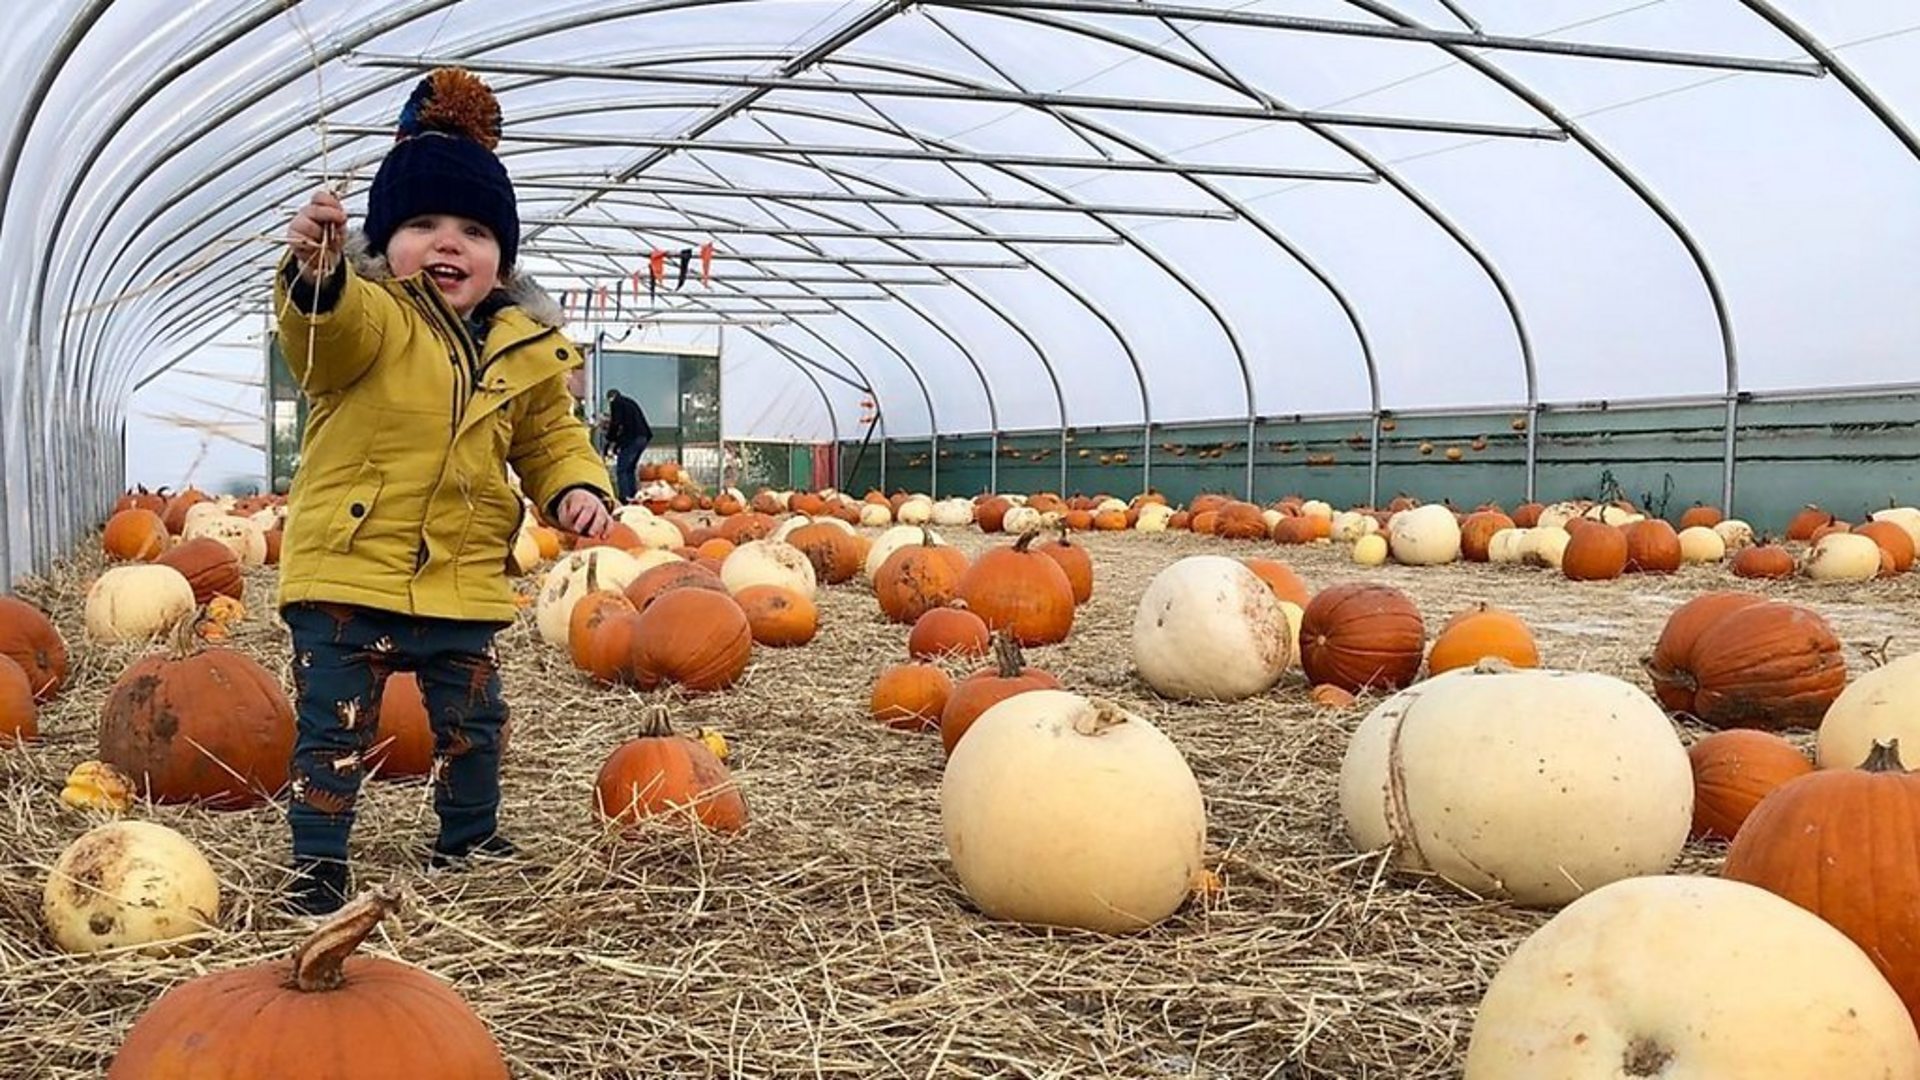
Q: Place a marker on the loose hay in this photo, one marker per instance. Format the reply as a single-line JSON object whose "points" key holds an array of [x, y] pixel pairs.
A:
{"points": [[831, 938]]}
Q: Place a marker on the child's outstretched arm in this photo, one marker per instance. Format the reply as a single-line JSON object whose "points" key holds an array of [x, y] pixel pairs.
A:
{"points": [[557, 463], [330, 320]]}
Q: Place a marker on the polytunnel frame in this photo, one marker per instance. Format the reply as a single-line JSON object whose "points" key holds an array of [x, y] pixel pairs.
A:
{"points": [[1858, 89]]}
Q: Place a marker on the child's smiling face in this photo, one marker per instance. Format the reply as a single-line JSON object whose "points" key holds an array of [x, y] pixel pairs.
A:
{"points": [[459, 255]]}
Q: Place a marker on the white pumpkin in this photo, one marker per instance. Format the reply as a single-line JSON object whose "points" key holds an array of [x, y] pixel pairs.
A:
{"points": [[896, 538], [1294, 613], [1527, 784], [1906, 517], [1699, 544], [1270, 517], [268, 517], [768, 562], [1370, 550], [137, 601], [127, 884], [632, 515], [1021, 519], [1153, 517], [571, 578], [953, 513], [1208, 628], [837, 523], [1316, 508], [1556, 515], [876, 515], [1689, 977], [784, 499], [198, 512], [1348, 526], [1425, 536], [1876, 707], [524, 554], [1545, 545], [247, 540], [1507, 546], [1064, 811], [915, 510], [1110, 505], [648, 558], [1734, 533], [792, 525], [658, 532], [1844, 557]]}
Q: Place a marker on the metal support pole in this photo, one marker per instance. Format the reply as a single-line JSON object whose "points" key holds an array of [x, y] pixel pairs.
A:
{"points": [[1252, 425], [883, 462], [981, 94], [1533, 449], [933, 465], [1146, 457], [705, 228], [1727, 464], [1373, 461], [993, 463], [1063, 461]]}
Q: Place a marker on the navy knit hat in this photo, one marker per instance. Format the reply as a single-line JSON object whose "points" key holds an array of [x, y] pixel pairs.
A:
{"points": [[443, 163]]}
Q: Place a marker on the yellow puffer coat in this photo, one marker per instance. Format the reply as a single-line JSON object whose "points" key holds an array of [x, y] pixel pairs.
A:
{"points": [[402, 500]]}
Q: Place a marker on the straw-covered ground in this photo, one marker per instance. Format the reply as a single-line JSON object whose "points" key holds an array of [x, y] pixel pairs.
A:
{"points": [[831, 938]]}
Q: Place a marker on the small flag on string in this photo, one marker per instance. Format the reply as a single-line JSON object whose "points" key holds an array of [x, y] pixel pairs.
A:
{"points": [[686, 257], [657, 267], [706, 264]]}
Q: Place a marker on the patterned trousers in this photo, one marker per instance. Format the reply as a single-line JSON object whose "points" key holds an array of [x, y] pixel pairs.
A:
{"points": [[342, 655]]}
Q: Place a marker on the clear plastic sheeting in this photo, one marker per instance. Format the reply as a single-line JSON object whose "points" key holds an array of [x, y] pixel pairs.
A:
{"points": [[1083, 213]]}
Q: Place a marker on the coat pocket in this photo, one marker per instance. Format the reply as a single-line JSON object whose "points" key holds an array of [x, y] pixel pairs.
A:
{"points": [[354, 509]]}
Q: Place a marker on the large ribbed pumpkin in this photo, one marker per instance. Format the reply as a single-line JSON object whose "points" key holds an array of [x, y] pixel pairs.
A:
{"points": [[1733, 771], [1595, 552], [662, 774], [1673, 653], [1652, 547], [1840, 843], [1022, 591], [834, 552], [665, 578], [135, 534], [1073, 559], [1765, 666], [195, 725], [209, 566], [918, 578], [30, 638], [326, 1016], [19, 719], [1358, 635], [694, 638]]}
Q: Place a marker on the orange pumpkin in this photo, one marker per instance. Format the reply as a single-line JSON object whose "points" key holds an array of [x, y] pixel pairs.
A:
{"points": [[1732, 772], [403, 745], [1595, 552], [696, 638], [1527, 515], [949, 631], [1652, 547], [1476, 533], [1205, 522], [1766, 666], [656, 581], [141, 499], [135, 534], [1894, 540], [1110, 521], [1479, 632], [175, 514], [1763, 561], [1360, 635], [1286, 584], [209, 566], [991, 513], [662, 774], [1839, 843], [332, 1014], [1329, 696], [1241, 521], [1073, 559], [988, 687], [1293, 530], [1022, 591], [591, 644], [29, 639], [1077, 520], [1701, 515], [18, 717], [835, 555], [777, 616], [1673, 652], [194, 725], [918, 578], [743, 528], [1807, 522], [910, 697]]}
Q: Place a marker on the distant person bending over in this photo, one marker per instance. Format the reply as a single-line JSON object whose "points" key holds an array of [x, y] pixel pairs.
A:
{"points": [[628, 433]]}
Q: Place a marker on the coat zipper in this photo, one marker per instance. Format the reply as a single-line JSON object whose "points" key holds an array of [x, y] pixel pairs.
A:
{"points": [[462, 364]]}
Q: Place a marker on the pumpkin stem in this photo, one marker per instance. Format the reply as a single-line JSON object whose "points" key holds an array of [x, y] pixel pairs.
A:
{"points": [[1102, 717], [656, 722], [182, 642], [593, 572], [1884, 757], [317, 960], [926, 536], [1027, 538], [1006, 655]]}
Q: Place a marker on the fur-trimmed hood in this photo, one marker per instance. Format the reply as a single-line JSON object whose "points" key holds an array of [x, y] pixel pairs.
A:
{"points": [[518, 287]]}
